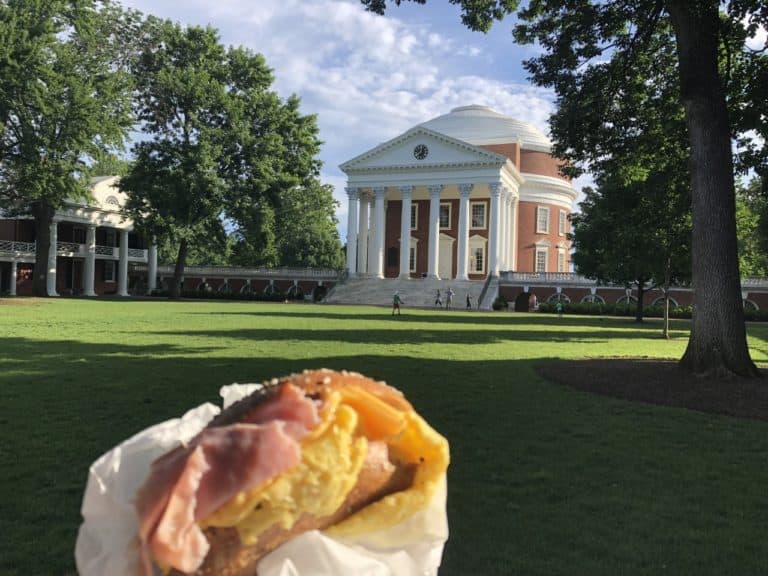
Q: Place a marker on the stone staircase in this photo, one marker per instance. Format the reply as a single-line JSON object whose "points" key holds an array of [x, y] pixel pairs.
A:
{"points": [[415, 292]]}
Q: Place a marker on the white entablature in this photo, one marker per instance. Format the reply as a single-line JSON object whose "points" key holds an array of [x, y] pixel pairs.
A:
{"points": [[447, 161]]}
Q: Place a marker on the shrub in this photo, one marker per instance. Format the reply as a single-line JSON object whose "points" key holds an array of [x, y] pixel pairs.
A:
{"points": [[500, 304]]}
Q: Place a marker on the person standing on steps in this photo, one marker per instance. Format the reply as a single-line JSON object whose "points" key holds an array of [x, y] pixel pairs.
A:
{"points": [[469, 301], [438, 299]]}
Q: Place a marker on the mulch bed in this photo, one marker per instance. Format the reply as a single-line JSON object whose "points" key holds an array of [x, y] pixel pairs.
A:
{"points": [[662, 382]]}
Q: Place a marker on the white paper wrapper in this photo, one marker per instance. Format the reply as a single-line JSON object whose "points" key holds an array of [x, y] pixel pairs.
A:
{"points": [[107, 543]]}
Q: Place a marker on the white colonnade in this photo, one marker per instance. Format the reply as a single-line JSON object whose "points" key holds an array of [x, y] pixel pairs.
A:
{"points": [[366, 228]]}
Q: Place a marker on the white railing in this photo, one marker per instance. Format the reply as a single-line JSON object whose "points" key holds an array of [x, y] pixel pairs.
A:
{"points": [[69, 248], [754, 283], [137, 253], [547, 278], [106, 251], [286, 272], [17, 248]]}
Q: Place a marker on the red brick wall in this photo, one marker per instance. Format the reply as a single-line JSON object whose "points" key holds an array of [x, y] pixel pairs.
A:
{"points": [[527, 237], [511, 151], [392, 236], [540, 163]]}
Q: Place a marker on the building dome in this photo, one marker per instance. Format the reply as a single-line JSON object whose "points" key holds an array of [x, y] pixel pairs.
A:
{"points": [[481, 125]]}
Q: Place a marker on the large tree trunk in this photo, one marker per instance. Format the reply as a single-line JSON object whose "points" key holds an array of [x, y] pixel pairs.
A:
{"points": [[178, 271], [718, 342], [43, 215]]}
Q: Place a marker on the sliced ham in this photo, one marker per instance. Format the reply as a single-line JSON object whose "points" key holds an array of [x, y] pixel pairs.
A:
{"points": [[191, 482]]}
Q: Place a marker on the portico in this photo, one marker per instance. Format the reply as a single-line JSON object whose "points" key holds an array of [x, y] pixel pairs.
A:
{"points": [[445, 215]]}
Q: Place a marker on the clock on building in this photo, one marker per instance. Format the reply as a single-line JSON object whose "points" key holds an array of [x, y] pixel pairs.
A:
{"points": [[420, 152]]}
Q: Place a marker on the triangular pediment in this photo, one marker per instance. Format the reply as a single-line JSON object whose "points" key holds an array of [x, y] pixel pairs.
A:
{"points": [[422, 148]]}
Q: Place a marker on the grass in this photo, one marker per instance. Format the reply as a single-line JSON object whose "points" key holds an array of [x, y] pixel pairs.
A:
{"points": [[544, 479]]}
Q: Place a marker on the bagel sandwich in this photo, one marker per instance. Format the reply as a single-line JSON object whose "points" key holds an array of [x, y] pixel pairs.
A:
{"points": [[319, 450]]}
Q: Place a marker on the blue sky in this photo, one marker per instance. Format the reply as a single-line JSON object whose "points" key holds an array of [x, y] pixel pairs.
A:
{"points": [[369, 78]]}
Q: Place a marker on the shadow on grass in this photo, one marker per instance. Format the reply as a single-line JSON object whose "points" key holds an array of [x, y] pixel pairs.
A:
{"points": [[543, 480], [386, 337], [457, 316]]}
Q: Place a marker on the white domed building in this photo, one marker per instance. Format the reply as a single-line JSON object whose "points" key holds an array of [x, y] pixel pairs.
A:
{"points": [[468, 194]]}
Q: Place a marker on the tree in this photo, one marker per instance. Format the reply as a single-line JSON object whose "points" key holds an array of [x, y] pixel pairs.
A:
{"points": [[223, 147], [635, 229], [107, 163], [589, 41], [752, 229], [64, 95], [620, 236]]}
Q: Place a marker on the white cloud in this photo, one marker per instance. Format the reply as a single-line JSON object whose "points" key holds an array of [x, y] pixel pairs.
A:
{"points": [[367, 77]]}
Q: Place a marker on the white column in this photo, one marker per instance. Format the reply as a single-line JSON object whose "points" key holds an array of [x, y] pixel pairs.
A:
{"points": [[52, 253], [152, 267], [463, 252], [433, 243], [502, 225], [90, 261], [14, 277], [378, 228], [406, 193], [493, 231], [513, 260], [507, 230], [352, 194], [362, 236], [122, 270]]}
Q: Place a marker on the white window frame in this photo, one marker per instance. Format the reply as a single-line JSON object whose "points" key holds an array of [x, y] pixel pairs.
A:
{"points": [[412, 258], [110, 265], [562, 225], [471, 217], [561, 260], [481, 251], [542, 216], [414, 216], [539, 251], [450, 214]]}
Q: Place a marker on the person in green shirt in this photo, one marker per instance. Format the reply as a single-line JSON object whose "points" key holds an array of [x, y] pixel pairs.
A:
{"points": [[396, 301]]}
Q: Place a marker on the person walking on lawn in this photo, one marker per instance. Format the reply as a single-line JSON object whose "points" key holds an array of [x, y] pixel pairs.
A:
{"points": [[396, 301]]}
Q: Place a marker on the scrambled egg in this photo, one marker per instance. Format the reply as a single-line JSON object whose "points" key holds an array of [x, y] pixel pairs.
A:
{"points": [[332, 457]]}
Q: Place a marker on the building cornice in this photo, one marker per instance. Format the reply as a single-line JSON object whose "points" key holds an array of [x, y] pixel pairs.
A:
{"points": [[486, 158]]}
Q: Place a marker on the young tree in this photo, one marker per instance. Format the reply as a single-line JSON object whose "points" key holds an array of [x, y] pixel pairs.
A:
{"points": [[621, 236], [223, 146], [586, 42], [64, 95]]}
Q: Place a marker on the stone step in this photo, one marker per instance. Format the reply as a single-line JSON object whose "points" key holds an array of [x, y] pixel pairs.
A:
{"points": [[415, 293]]}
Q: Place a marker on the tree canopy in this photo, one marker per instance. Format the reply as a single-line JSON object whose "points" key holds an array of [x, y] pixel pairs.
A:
{"points": [[224, 151], [64, 96]]}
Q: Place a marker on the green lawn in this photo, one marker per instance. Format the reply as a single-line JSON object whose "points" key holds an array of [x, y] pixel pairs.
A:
{"points": [[544, 479]]}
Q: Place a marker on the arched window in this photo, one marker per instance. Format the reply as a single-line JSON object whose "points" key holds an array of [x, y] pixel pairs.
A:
{"points": [[750, 305], [660, 302], [627, 300], [593, 299], [561, 297]]}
